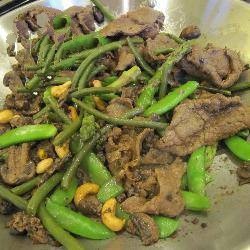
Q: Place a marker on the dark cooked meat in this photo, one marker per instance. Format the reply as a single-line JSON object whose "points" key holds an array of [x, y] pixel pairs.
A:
{"points": [[131, 92], [20, 120], [18, 167], [119, 106], [221, 67], [190, 32], [204, 121], [125, 59], [6, 207], [21, 223], [168, 201], [90, 205], [161, 41], [98, 15], [12, 80], [144, 21], [144, 226]]}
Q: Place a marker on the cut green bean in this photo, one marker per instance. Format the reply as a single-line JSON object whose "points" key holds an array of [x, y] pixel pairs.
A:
{"points": [[240, 86], [33, 83], [216, 90], [106, 12], [175, 38], [83, 81], [93, 91], [163, 51], [50, 57], [42, 112], [61, 21], [98, 69]]}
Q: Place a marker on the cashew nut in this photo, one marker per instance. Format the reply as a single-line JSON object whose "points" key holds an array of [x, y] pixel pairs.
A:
{"points": [[42, 154], [62, 150], [61, 91], [44, 165], [73, 113], [97, 83], [108, 216], [6, 116], [85, 189], [100, 104]]}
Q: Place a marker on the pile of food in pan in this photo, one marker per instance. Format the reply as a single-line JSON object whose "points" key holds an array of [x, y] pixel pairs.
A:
{"points": [[114, 130]]}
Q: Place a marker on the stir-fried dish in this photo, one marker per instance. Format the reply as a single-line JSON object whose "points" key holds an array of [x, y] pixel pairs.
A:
{"points": [[114, 129]]}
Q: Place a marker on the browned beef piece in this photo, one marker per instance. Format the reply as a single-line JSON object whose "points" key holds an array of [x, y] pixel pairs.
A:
{"points": [[6, 207], [168, 201], [190, 32], [90, 205], [131, 92], [12, 80], [82, 19], [21, 223], [144, 226], [119, 106], [18, 167], [221, 67], [243, 173], [125, 59], [161, 41], [144, 21], [204, 121]]}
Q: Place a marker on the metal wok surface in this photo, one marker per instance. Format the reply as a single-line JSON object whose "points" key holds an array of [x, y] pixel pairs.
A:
{"points": [[225, 23]]}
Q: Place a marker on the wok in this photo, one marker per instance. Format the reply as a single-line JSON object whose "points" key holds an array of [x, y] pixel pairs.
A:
{"points": [[224, 23]]}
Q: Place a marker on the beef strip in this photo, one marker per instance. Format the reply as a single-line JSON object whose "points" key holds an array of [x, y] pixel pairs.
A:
{"points": [[12, 80], [168, 201], [90, 205], [161, 41], [119, 106], [144, 21], [21, 223], [221, 67], [18, 167], [125, 59], [204, 121], [143, 225], [190, 32]]}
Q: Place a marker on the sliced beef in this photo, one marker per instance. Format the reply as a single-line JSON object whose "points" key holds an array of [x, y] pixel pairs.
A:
{"points": [[144, 21], [90, 205], [204, 121], [125, 59], [168, 201], [161, 41], [98, 15], [190, 32], [221, 67], [119, 106], [12, 80], [131, 92], [21, 223], [18, 168], [144, 226]]}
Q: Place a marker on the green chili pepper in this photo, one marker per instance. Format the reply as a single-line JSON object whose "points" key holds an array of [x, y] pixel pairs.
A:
{"points": [[77, 223], [41, 193], [27, 133], [195, 202], [61, 21], [239, 147], [166, 226], [210, 152], [108, 190], [62, 236], [196, 171], [105, 11], [7, 195], [172, 99]]}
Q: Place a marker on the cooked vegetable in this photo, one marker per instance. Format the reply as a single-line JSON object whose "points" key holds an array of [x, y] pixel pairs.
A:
{"points": [[49, 58], [240, 86], [196, 171], [244, 133], [41, 193], [175, 38], [172, 99], [93, 91], [163, 51], [27, 133], [210, 152], [239, 147], [33, 83], [61, 90], [106, 12], [45, 45], [216, 90], [77, 223], [5, 116], [83, 80], [88, 128], [61, 21]]}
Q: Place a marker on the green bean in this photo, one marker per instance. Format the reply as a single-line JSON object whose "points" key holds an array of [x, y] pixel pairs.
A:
{"points": [[61, 79], [240, 86], [244, 133], [42, 112], [52, 103], [9, 196], [108, 190], [98, 69], [175, 38], [41, 193], [196, 171], [176, 56], [163, 51], [27, 133], [33, 83], [195, 202], [216, 90], [106, 12], [172, 99], [50, 57], [81, 55], [61, 21], [36, 47], [62, 236], [210, 152], [68, 131], [239, 147], [139, 58], [109, 79], [166, 226], [120, 121], [44, 53], [108, 97], [27, 186], [83, 80], [77, 43], [45, 43], [65, 64], [93, 91], [32, 67]]}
